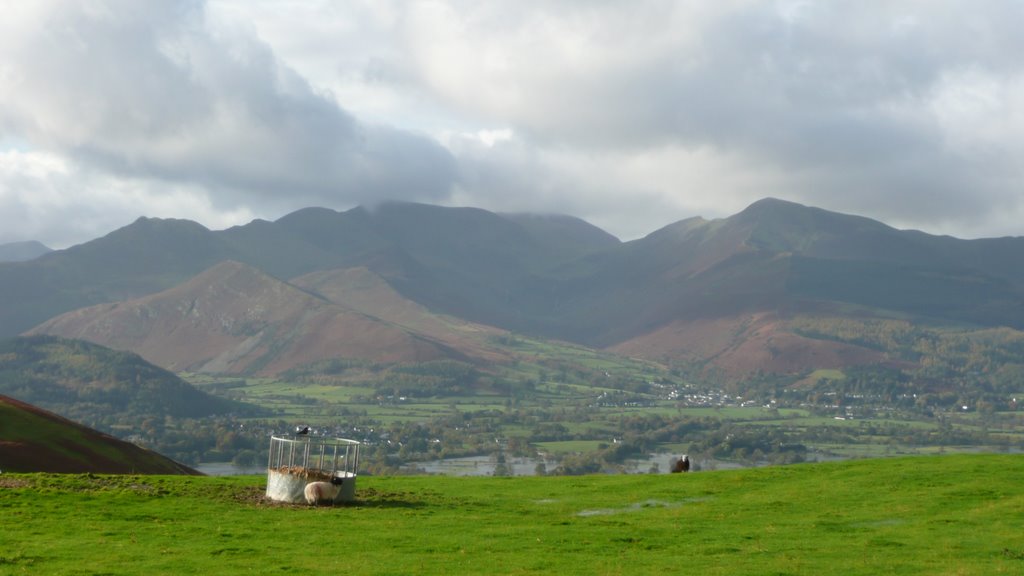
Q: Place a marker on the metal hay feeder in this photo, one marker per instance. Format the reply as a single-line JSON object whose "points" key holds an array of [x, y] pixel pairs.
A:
{"points": [[295, 462]]}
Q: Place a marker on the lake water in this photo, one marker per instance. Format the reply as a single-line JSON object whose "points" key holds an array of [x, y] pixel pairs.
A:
{"points": [[484, 466], [229, 469], [470, 466], [478, 466]]}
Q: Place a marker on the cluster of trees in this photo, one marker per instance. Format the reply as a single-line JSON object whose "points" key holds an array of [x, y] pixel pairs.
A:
{"points": [[934, 358], [195, 440], [330, 371], [926, 368]]}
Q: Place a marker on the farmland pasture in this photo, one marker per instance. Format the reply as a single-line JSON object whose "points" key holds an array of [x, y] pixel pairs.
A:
{"points": [[586, 425], [923, 515], [588, 398]]}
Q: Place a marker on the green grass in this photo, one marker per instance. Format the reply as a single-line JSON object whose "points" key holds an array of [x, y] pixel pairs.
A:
{"points": [[924, 515], [831, 374]]}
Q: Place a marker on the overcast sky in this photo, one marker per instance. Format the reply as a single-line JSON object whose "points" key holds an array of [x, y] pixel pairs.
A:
{"points": [[629, 114]]}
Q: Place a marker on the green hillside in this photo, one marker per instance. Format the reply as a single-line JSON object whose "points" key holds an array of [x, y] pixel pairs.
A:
{"points": [[70, 376], [926, 515]]}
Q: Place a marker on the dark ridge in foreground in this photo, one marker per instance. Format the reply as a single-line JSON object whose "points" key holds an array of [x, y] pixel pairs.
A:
{"points": [[35, 440]]}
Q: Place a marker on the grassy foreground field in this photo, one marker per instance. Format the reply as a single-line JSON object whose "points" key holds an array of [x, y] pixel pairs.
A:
{"points": [[961, 514]]}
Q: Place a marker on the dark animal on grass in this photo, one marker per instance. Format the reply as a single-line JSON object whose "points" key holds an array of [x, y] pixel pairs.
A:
{"points": [[681, 465], [301, 431]]}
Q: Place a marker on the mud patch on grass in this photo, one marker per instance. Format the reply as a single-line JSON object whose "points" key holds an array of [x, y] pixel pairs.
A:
{"points": [[638, 506]]}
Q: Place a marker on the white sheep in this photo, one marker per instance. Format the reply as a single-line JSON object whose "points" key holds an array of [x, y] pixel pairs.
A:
{"points": [[317, 492]]}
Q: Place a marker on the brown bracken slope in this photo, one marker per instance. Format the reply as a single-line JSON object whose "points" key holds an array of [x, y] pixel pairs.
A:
{"points": [[744, 344], [233, 318], [34, 440]]}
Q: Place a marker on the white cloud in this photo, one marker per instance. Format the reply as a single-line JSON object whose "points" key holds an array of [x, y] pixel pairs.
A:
{"points": [[45, 196], [980, 112]]}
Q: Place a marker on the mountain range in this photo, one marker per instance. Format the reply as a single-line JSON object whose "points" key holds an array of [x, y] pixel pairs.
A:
{"points": [[411, 282]]}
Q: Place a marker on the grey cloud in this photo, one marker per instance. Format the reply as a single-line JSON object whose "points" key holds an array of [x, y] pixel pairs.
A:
{"points": [[156, 90], [516, 175]]}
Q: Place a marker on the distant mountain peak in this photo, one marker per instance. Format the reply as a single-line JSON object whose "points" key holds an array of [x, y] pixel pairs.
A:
{"points": [[556, 228], [775, 209], [784, 226], [22, 251], [311, 211], [793, 213], [149, 221], [770, 203], [681, 227], [145, 230]]}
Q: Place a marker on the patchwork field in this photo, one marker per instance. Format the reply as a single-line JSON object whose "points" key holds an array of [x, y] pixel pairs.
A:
{"points": [[957, 514], [591, 424]]}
